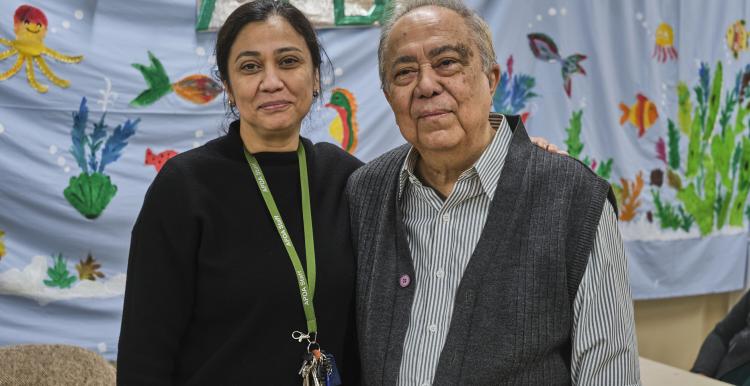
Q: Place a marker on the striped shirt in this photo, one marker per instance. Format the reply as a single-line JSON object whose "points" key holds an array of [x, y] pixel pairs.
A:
{"points": [[442, 235]]}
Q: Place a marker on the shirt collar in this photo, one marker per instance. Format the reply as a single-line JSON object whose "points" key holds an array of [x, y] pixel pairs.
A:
{"points": [[488, 166]]}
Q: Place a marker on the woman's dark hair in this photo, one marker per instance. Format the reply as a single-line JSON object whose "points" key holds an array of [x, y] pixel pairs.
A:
{"points": [[261, 10]]}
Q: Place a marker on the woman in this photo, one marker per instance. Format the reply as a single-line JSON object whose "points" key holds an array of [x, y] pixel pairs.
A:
{"points": [[212, 297]]}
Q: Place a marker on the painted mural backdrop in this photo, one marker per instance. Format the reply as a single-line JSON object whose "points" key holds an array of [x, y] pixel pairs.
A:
{"points": [[95, 96]]}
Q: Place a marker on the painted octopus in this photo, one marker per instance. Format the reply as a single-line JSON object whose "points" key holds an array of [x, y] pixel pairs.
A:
{"points": [[30, 27]]}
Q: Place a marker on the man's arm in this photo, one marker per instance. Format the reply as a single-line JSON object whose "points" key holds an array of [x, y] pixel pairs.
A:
{"points": [[604, 343]]}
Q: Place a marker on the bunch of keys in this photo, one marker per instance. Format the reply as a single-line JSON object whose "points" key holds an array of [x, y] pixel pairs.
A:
{"points": [[318, 367]]}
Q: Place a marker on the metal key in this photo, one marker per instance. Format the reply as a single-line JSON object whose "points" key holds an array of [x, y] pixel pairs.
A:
{"points": [[305, 370]]}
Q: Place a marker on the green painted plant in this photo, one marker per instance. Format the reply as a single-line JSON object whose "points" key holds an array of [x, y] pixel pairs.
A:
{"points": [[2, 245], [58, 274], [671, 216], [717, 167], [575, 147], [91, 191]]}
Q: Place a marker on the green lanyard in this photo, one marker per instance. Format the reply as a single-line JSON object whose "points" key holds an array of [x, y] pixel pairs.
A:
{"points": [[306, 283]]}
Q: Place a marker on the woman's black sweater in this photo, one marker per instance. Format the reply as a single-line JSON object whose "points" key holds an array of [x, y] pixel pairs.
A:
{"points": [[211, 295]]}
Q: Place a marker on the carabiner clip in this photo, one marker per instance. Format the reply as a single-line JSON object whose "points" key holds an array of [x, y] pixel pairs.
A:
{"points": [[299, 336]]}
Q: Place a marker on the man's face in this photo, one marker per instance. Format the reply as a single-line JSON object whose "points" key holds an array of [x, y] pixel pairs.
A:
{"points": [[434, 81]]}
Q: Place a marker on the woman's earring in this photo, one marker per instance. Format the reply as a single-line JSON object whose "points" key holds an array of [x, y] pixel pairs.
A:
{"points": [[231, 104], [315, 94]]}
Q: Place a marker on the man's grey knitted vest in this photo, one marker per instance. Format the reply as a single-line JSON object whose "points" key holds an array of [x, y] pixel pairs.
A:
{"points": [[512, 315]]}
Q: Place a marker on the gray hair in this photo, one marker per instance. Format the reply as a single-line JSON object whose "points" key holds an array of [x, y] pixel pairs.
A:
{"points": [[479, 29]]}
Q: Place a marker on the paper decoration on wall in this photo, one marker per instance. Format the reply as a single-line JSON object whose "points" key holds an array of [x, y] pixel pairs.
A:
{"points": [[737, 37], [642, 114], [341, 17], [344, 128], [575, 147], [544, 48], [197, 88], [158, 160], [30, 27], [513, 92], [322, 13], [91, 191], [664, 47]]}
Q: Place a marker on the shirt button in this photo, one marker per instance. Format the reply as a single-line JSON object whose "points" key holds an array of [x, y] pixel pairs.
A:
{"points": [[404, 281], [440, 273], [446, 217], [432, 328]]}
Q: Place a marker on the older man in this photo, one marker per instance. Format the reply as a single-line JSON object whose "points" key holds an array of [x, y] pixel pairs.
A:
{"points": [[482, 259]]}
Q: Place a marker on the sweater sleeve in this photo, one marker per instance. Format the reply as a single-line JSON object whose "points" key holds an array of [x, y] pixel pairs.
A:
{"points": [[160, 277], [350, 197], [715, 346]]}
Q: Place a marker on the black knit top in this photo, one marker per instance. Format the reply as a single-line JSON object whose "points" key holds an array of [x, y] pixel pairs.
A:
{"points": [[211, 295]]}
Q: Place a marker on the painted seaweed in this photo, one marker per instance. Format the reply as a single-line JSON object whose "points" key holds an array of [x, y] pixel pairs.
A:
{"points": [[58, 275], [629, 193], [575, 147], [91, 191], [513, 91], [717, 168]]}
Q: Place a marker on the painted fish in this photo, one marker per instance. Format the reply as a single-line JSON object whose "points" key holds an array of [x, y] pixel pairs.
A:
{"points": [[158, 160], [544, 48], [737, 36], [642, 114], [344, 127], [199, 89]]}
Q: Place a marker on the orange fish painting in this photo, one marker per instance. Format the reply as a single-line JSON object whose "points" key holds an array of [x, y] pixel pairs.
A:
{"points": [[642, 114], [197, 88], [158, 160]]}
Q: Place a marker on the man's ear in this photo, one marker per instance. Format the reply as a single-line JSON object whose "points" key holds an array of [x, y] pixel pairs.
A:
{"points": [[493, 76]]}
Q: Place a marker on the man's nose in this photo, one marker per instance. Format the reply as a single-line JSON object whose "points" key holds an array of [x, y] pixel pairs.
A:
{"points": [[428, 82]]}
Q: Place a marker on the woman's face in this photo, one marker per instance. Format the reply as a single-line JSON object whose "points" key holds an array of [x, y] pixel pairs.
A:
{"points": [[271, 78]]}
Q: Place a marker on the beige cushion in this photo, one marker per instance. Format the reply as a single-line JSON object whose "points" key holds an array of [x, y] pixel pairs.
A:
{"points": [[53, 364]]}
